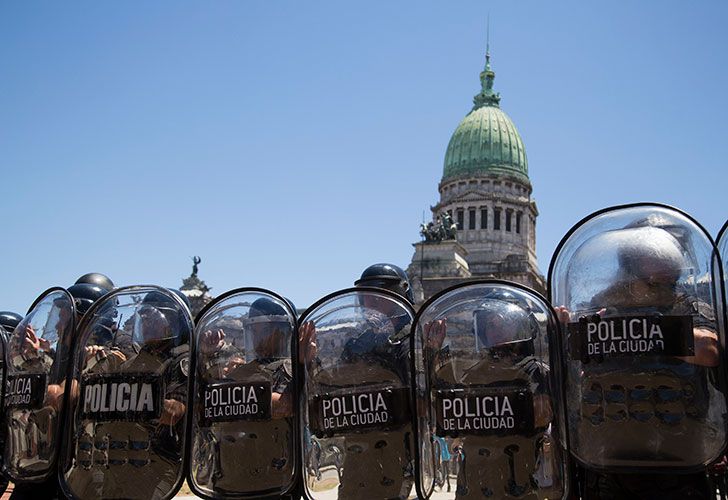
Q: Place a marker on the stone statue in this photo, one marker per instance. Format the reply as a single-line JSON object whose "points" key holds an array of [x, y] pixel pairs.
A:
{"points": [[451, 229], [441, 229], [195, 289]]}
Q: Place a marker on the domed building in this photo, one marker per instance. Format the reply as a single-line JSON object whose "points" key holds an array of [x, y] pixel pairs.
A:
{"points": [[484, 225]]}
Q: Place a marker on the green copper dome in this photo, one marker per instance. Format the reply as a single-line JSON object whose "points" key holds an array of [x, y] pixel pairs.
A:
{"points": [[486, 141]]}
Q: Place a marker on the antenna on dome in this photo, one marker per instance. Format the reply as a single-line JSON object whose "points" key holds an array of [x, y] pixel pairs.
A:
{"points": [[487, 37]]}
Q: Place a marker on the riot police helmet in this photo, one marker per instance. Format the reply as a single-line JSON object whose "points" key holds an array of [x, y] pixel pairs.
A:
{"points": [[649, 264], [389, 277], [184, 298], [9, 320], [267, 329], [166, 306], [503, 318], [97, 279], [84, 295], [151, 326], [651, 254]]}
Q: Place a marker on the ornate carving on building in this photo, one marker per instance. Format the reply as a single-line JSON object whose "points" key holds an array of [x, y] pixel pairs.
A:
{"points": [[486, 192]]}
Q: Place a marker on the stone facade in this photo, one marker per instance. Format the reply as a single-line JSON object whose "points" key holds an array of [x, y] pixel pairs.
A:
{"points": [[486, 190]]}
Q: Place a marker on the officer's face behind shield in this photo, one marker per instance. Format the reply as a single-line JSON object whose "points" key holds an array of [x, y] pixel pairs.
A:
{"points": [[650, 265], [500, 324], [381, 304], [151, 328], [267, 337]]}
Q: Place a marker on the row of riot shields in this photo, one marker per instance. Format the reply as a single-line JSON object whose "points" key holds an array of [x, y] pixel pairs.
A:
{"points": [[486, 392], [348, 403], [461, 400]]}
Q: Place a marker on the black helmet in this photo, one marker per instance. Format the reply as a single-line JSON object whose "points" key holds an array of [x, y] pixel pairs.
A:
{"points": [[184, 298], [266, 307], [85, 294], [97, 279], [167, 306], [160, 300], [503, 318], [389, 277], [9, 320]]}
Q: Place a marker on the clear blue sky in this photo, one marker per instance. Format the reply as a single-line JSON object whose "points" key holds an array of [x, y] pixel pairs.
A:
{"points": [[290, 144]]}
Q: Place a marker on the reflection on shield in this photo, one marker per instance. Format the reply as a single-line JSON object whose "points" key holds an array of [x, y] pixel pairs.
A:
{"points": [[38, 353], [356, 404], [490, 418], [243, 439], [126, 432], [636, 292]]}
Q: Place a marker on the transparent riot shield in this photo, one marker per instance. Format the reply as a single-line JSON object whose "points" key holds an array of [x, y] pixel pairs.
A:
{"points": [[37, 360], [356, 412], [490, 417], [125, 431], [3, 427], [634, 288], [243, 439], [722, 244]]}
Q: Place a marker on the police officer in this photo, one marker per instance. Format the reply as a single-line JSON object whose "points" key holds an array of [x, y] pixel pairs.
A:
{"points": [[376, 463], [8, 321], [137, 454], [33, 428], [501, 462], [395, 477], [253, 453], [659, 402], [84, 292]]}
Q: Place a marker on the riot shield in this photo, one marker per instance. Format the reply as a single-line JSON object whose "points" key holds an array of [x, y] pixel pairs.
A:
{"points": [[3, 428], [243, 439], [722, 245], [37, 360], [125, 429], [490, 416], [718, 472], [355, 403], [634, 288]]}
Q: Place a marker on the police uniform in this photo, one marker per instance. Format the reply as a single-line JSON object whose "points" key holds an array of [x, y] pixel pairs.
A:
{"points": [[377, 463], [666, 395], [3, 426], [248, 454], [522, 465], [30, 430], [128, 459]]}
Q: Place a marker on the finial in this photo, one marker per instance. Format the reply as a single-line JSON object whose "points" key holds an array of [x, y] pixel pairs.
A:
{"points": [[486, 97], [487, 43]]}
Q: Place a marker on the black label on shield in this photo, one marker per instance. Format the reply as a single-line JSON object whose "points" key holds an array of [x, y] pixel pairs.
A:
{"points": [[484, 412], [121, 396], [25, 391], [230, 401], [597, 338], [359, 411]]}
